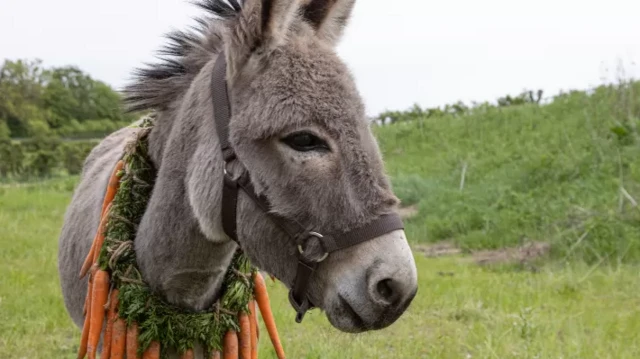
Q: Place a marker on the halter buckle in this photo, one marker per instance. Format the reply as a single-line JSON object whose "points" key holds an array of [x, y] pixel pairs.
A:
{"points": [[300, 308], [319, 236], [226, 171]]}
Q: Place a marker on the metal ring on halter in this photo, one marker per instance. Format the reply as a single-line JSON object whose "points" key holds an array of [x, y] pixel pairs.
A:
{"points": [[227, 172], [319, 236]]}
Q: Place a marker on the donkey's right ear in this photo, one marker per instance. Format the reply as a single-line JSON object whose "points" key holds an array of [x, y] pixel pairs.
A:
{"points": [[329, 17], [262, 26]]}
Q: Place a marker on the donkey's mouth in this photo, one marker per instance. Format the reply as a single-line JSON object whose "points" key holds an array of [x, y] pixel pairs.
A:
{"points": [[357, 323]]}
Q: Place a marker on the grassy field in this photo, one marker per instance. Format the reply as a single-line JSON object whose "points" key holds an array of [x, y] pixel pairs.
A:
{"points": [[566, 174], [461, 311]]}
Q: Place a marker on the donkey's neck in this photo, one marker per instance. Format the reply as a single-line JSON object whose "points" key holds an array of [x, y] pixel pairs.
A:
{"points": [[181, 248]]}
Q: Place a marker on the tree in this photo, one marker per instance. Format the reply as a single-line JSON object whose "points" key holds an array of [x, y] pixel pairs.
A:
{"points": [[20, 95], [35, 101]]}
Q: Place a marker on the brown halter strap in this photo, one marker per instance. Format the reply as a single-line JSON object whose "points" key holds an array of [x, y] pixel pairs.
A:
{"points": [[330, 242]]}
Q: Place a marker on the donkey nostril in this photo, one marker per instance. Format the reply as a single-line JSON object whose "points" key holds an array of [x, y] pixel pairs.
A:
{"points": [[385, 289]]}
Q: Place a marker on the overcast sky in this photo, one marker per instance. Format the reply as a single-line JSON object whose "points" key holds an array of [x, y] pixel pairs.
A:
{"points": [[429, 52]]}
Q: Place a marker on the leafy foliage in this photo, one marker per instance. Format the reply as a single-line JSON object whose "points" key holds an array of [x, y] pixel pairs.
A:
{"points": [[39, 106], [42, 157], [38, 101], [457, 109]]}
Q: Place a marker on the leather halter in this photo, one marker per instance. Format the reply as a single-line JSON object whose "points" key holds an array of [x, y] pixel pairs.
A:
{"points": [[329, 242]]}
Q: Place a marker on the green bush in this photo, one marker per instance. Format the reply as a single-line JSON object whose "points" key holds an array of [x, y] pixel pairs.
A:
{"points": [[42, 157], [11, 158], [74, 154], [42, 164]]}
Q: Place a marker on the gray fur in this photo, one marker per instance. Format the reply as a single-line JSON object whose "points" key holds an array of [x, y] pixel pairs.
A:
{"points": [[284, 76]]}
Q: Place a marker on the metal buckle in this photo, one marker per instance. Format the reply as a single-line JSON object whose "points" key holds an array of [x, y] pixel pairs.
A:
{"points": [[300, 308], [226, 171], [319, 236]]}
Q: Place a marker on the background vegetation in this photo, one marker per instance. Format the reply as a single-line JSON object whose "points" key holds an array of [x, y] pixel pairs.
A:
{"points": [[567, 173], [50, 118]]}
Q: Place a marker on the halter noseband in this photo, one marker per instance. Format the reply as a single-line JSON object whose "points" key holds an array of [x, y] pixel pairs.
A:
{"points": [[330, 243]]}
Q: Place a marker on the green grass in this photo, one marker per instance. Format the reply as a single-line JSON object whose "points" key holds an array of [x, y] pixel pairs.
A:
{"points": [[570, 311], [549, 173], [567, 173]]}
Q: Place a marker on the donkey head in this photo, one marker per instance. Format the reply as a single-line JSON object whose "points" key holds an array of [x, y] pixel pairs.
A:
{"points": [[298, 126]]}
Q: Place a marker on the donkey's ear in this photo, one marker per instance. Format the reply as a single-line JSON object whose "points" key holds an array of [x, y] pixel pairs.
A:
{"points": [[329, 17], [262, 26]]}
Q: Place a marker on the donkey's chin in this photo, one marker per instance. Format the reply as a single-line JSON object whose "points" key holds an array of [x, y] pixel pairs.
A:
{"points": [[351, 317]]}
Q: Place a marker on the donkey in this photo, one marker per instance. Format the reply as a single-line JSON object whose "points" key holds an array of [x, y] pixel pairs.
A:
{"points": [[298, 126]]}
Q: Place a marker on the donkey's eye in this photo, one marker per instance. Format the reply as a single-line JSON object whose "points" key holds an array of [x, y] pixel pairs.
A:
{"points": [[304, 141]]}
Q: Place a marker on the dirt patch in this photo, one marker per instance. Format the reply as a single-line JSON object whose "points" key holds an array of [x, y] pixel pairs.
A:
{"points": [[523, 254], [408, 212], [526, 253], [438, 249]]}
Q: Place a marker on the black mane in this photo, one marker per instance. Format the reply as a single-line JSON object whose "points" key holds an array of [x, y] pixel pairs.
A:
{"points": [[184, 55]]}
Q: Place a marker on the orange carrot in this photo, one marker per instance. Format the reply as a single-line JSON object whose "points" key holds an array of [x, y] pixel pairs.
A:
{"points": [[132, 341], [262, 298], [255, 314], [244, 336], [187, 354], [99, 240], [215, 355], [96, 246], [82, 351], [87, 298], [112, 188], [99, 296], [253, 329], [111, 317], [152, 352], [118, 339], [230, 348], [88, 261]]}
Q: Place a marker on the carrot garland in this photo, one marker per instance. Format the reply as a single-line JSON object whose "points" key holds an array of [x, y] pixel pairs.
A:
{"points": [[111, 258]]}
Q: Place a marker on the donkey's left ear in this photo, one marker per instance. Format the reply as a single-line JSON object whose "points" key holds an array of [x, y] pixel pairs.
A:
{"points": [[262, 26], [329, 17]]}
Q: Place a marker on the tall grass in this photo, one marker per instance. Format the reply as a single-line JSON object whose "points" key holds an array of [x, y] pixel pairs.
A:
{"points": [[461, 310], [567, 173]]}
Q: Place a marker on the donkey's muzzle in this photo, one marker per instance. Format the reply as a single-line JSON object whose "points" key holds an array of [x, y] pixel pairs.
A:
{"points": [[393, 296]]}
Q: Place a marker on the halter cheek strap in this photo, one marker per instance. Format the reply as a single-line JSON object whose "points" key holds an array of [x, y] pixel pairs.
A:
{"points": [[330, 242]]}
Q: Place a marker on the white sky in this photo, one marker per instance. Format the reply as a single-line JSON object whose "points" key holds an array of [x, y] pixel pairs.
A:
{"points": [[429, 52]]}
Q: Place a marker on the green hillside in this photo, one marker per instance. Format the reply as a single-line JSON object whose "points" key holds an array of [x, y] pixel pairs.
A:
{"points": [[565, 173]]}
